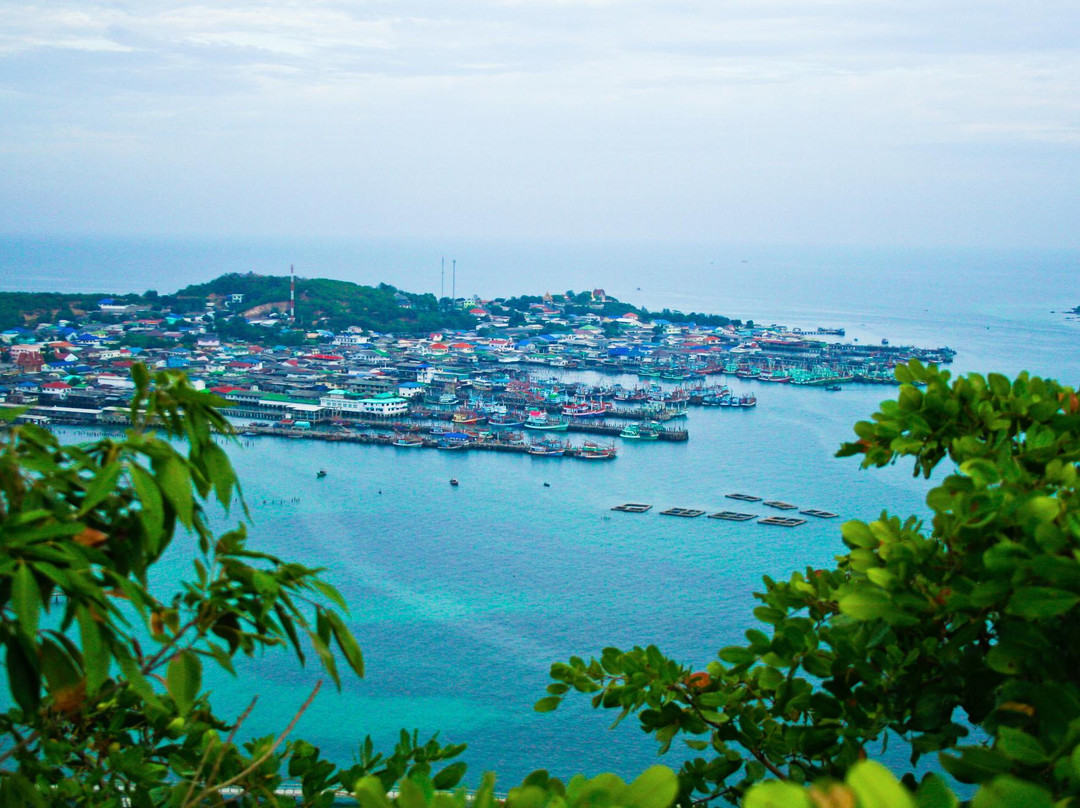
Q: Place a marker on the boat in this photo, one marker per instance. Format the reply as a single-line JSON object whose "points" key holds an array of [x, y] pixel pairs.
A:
{"points": [[507, 421], [467, 417], [749, 400], [453, 481], [320, 474], [833, 387], [541, 420], [584, 409], [409, 443], [594, 451], [547, 448]]}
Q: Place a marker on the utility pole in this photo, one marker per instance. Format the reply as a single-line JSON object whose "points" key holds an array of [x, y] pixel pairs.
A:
{"points": [[442, 277]]}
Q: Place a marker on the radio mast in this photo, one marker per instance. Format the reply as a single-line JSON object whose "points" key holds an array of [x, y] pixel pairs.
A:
{"points": [[292, 294]]}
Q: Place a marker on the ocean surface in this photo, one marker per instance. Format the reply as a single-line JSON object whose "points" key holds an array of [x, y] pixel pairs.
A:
{"points": [[462, 597]]}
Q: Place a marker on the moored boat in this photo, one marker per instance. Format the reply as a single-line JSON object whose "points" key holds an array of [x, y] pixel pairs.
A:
{"points": [[539, 419]]}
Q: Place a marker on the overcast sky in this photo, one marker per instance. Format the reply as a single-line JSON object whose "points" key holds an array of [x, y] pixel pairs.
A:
{"points": [[799, 121]]}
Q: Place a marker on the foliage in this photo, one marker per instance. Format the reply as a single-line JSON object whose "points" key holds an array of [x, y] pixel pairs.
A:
{"points": [[335, 305], [27, 309], [922, 635], [654, 788], [104, 673]]}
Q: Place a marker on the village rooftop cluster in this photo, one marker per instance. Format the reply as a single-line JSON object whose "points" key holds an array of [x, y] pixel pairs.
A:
{"points": [[79, 371]]}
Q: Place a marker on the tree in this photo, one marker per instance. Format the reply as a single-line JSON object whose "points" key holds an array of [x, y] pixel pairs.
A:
{"points": [[105, 674], [922, 632]]}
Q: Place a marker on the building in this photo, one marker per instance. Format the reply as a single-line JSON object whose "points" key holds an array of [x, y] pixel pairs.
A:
{"points": [[383, 405]]}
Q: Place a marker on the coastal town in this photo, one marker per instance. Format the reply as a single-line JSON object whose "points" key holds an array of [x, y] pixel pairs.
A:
{"points": [[514, 380]]}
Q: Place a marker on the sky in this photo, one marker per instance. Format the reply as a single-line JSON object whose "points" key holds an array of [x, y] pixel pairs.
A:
{"points": [[861, 122]]}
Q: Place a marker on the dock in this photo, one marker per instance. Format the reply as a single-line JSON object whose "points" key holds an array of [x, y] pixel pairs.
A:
{"points": [[688, 513], [783, 506], [732, 516], [782, 521], [632, 507]]}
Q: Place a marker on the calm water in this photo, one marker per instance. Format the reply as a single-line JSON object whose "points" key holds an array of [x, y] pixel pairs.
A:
{"points": [[462, 597]]}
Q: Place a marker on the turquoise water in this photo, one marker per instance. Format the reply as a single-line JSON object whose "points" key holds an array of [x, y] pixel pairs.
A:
{"points": [[462, 597]]}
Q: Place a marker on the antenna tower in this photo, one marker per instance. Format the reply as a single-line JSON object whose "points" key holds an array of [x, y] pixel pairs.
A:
{"points": [[442, 278], [292, 294], [453, 281]]}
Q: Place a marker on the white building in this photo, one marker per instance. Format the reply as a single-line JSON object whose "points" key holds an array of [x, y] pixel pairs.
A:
{"points": [[383, 405]]}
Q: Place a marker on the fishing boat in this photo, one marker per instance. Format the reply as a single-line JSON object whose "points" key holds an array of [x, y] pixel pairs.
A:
{"points": [[320, 474], [594, 451], [539, 419], [467, 417], [584, 409], [409, 443], [547, 448], [748, 400]]}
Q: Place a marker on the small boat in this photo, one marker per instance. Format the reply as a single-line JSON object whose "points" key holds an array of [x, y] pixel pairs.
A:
{"points": [[833, 387], [540, 420], [453, 481], [409, 443], [320, 474]]}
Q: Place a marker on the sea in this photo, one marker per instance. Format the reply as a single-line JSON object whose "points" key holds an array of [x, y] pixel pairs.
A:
{"points": [[463, 596]]}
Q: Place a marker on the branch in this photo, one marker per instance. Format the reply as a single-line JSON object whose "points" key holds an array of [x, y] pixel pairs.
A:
{"points": [[224, 748], [213, 789], [757, 753]]}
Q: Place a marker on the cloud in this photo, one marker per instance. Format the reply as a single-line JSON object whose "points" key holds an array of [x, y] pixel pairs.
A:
{"points": [[496, 108]]}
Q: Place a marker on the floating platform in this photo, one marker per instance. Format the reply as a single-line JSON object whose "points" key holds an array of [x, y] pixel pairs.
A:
{"points": [[732, 516], [782, 521], [819, 514], [689, 513], [784, 506], [744, 497], [632, 507]]}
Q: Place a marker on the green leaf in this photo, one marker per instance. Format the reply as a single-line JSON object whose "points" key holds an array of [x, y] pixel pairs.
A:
{"points": [[867, 604], [103, 484], [151, 507], [449, 777], [776, 794], [736, 655], [1036, 602], [1010, 792], [875, 787], [183, 679], [96, 657], [327, 659], [370, 793], [655, 787], [26, 600], [1017, 745], [175, 483], [347, 643], [547, 704], [858, 534], [17, 790], [975, 764], [933, 793], [410, 795], [23, 677]]}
